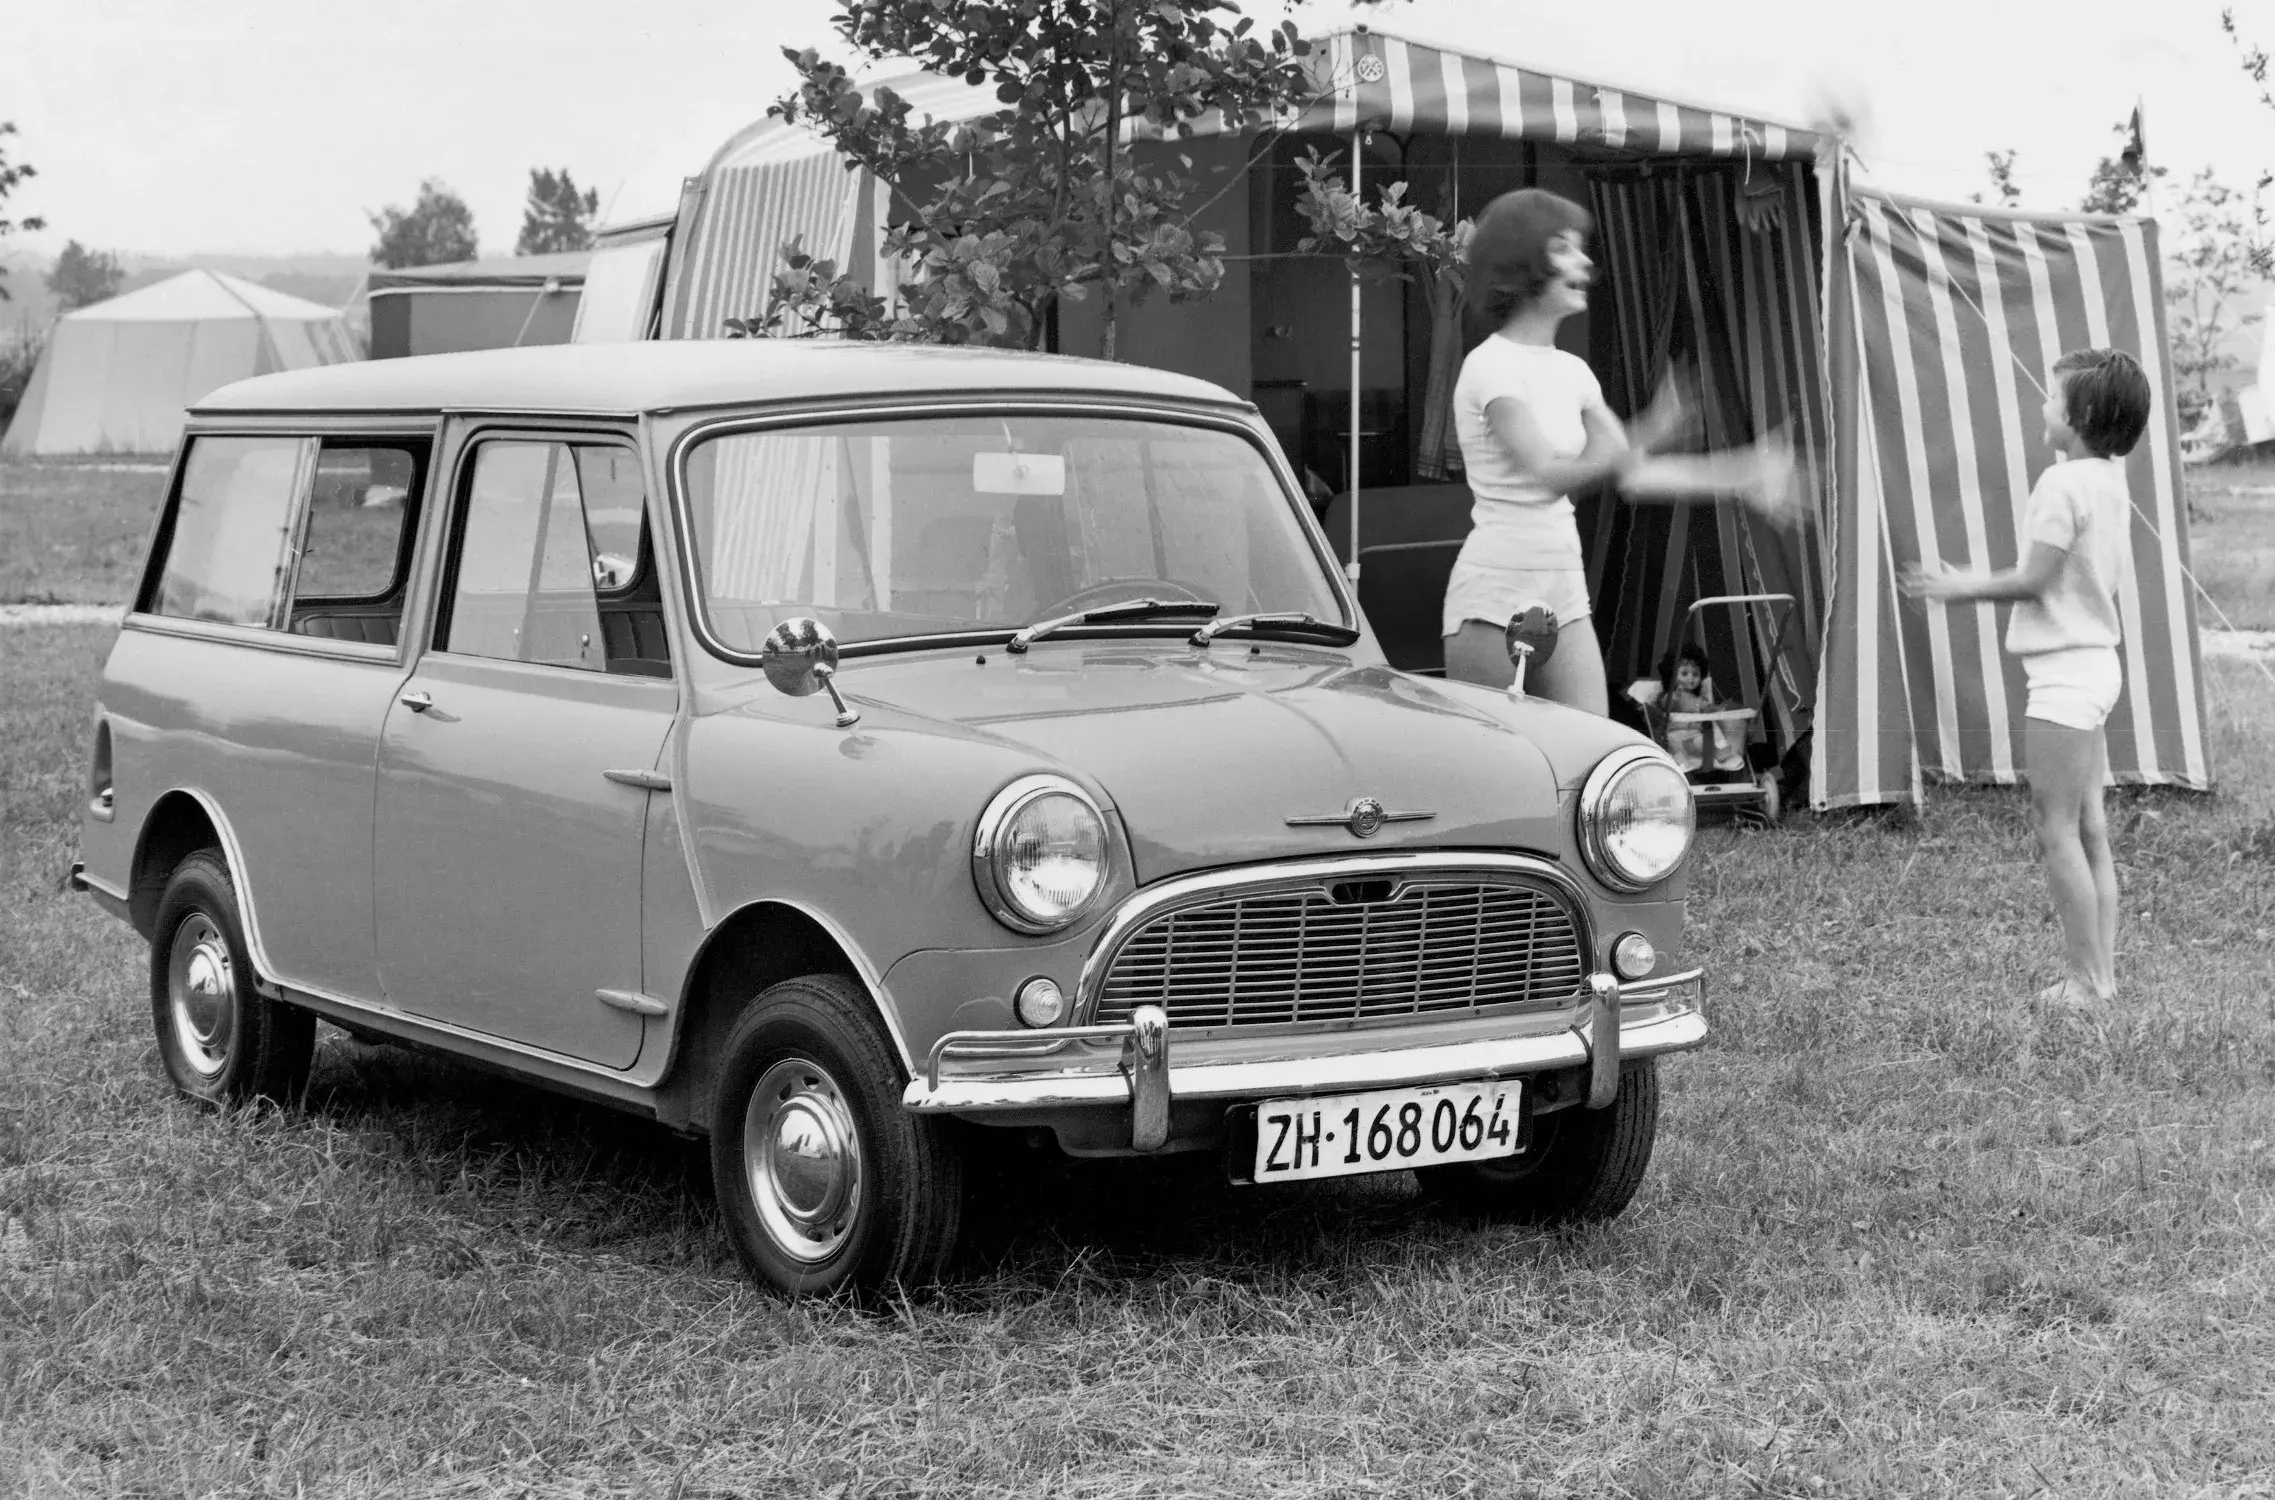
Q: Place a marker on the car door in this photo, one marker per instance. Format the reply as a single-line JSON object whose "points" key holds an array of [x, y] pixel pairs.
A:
{"points": [[517, 762]]}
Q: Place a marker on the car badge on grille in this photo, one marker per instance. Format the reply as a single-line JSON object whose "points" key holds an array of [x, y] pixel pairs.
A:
{"points": [[1364, 817]]}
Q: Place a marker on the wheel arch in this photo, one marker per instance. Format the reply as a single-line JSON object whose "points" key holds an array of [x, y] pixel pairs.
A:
{"points": [[758, 945], [179, 824]]}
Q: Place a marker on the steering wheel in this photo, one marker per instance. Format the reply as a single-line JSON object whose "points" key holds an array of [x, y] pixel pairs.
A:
{"points": [[1117, 591]]}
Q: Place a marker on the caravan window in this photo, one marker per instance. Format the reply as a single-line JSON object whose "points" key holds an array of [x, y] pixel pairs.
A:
{"points": [[954, 524]]}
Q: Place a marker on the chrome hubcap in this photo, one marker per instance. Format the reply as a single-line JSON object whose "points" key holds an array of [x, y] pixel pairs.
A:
{"points": [[802, 1157], [201, 991]]}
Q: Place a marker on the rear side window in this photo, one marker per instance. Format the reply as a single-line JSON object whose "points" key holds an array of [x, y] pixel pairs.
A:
{"points": [[228, 549], [359, 519]]}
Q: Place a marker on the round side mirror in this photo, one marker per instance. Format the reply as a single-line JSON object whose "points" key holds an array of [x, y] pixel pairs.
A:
{"points": [[800, 658], [798, 655], [1535, 632]]}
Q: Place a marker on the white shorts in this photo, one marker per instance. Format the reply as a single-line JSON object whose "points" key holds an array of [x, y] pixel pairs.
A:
{"points": [[1478, 591], [2075, 688]]}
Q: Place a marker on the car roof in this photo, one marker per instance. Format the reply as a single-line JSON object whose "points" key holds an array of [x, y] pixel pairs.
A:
{"points": [[663, 376]]}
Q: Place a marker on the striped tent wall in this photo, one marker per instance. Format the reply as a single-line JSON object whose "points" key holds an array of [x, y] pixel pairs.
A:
{"points": [[749, 210], [1945, 320]]}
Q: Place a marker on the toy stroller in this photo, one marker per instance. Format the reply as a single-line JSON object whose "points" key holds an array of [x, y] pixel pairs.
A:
{"points": [[1711, 740]]}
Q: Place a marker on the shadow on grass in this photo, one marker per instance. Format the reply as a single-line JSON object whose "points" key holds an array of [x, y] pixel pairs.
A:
{"points": [[507, 1158]]}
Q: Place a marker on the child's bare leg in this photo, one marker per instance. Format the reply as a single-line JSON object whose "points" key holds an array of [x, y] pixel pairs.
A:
{"points": [[2093, 835], [2064, 768]]}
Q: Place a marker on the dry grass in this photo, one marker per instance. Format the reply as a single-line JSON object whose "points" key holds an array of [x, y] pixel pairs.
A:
{"points": [[1903, 1237], [2234, 542], [73, 533]]}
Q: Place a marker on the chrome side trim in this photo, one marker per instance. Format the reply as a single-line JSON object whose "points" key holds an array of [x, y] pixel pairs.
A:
{"points": [[106, 896], [1189, 890], [632, 1001], [650, 781]]}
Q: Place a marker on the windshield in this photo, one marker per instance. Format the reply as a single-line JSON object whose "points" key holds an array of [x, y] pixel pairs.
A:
{"points": [[947, 525]]}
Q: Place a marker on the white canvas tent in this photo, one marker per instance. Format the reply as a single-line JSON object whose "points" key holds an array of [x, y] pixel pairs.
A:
{"points": [[117, 376]]}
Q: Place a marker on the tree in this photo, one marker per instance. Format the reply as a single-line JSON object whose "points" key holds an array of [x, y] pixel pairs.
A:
{"points": [[556, 216], [81, 277], [1006, 216], [12, 173], [2119, 182], [2254, 60], [2210, 267], [438, 228], [2001, 164]]}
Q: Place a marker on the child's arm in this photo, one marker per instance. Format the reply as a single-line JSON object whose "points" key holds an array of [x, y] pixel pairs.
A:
{"points": [[2030, 581]]}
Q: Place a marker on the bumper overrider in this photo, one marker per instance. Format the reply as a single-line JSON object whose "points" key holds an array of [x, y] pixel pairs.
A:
{"points": [[1134, 1064]]}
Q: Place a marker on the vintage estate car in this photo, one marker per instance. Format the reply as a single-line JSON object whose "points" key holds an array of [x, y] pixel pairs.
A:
{"points": [[838, 749]]}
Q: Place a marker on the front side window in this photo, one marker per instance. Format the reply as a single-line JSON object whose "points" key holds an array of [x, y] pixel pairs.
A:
{"points": [[946, 525], [229, 544], [549, 561]]}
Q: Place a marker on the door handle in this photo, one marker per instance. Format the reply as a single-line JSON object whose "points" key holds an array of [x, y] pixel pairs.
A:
{"points": [[416, 701]]}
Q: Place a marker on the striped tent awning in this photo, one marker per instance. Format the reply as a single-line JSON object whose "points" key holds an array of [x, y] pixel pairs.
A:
{"points": [[1378, 81], [774, 181], [1943, 321]]}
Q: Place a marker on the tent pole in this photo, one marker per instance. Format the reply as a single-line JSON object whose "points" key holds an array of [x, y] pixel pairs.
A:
{"points": [[1351, 564]]}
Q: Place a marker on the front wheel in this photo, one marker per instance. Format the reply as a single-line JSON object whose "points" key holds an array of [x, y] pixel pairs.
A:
{"points": [[222, 1042], [825, 1181], [1581, 1164]]}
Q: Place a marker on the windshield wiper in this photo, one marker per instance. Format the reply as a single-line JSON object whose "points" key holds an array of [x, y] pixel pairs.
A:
{"points": [[1278, 622], [1128, 609]]}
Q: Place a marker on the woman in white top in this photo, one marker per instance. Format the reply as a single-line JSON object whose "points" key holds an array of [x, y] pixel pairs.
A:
{"points": [[1533, 427]]}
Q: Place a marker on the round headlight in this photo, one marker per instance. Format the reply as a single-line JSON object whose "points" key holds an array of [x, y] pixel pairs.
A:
{"points": [[1039, 858], [1636, 819]]}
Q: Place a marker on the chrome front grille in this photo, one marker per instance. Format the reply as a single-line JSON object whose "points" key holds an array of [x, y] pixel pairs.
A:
{"points": [[1349, 950]]}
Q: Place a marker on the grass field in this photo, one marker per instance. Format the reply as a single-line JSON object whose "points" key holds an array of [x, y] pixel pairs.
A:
{"points": [[1902, 1237]]}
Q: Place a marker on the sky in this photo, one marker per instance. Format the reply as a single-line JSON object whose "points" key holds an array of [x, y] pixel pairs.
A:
{"points": [[276, 126]]}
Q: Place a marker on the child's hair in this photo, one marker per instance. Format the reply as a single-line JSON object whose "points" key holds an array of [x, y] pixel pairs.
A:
{"points": [[2105, 399], [1508, 249], [1693, 653]]}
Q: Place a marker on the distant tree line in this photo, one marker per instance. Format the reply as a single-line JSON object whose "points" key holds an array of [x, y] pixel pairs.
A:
{"points": [[438, 227]]}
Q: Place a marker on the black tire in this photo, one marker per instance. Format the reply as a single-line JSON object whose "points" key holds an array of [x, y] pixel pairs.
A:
{"points": [[222, 1042], [1583, 1165], [809, 1059]]}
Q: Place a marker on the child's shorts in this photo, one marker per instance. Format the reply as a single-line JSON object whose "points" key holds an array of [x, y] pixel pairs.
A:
{"points": [[1477, 591], [2075, 688]]}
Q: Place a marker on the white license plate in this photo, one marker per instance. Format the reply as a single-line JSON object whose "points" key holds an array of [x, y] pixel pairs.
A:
{"points": [[1339, 1135]]}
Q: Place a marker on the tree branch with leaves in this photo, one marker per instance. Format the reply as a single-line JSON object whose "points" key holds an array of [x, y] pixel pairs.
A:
{"points": [[1004, 217], [13, 173]]}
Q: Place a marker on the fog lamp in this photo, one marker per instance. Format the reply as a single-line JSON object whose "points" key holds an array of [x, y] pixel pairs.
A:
{"points": [[1040, 1002], [1632, 956]]}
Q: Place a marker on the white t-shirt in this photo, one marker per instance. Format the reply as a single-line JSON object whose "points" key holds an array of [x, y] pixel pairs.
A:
{"points": [[2081, 507], [1518, 522]]}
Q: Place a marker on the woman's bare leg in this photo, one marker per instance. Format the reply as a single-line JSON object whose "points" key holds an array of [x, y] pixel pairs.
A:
{"points": [[1479, 653], [1573, 674]]}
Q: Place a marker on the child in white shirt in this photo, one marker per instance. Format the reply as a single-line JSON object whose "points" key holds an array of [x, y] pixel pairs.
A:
{"points": [[2066, 631]]}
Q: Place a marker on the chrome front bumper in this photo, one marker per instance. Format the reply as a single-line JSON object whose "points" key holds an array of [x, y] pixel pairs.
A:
{"points": [[1133, 1063]]}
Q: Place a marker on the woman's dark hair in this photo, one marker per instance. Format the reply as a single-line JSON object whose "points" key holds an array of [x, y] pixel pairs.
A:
{"points": [[1508, 248], [2105, 399]]}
